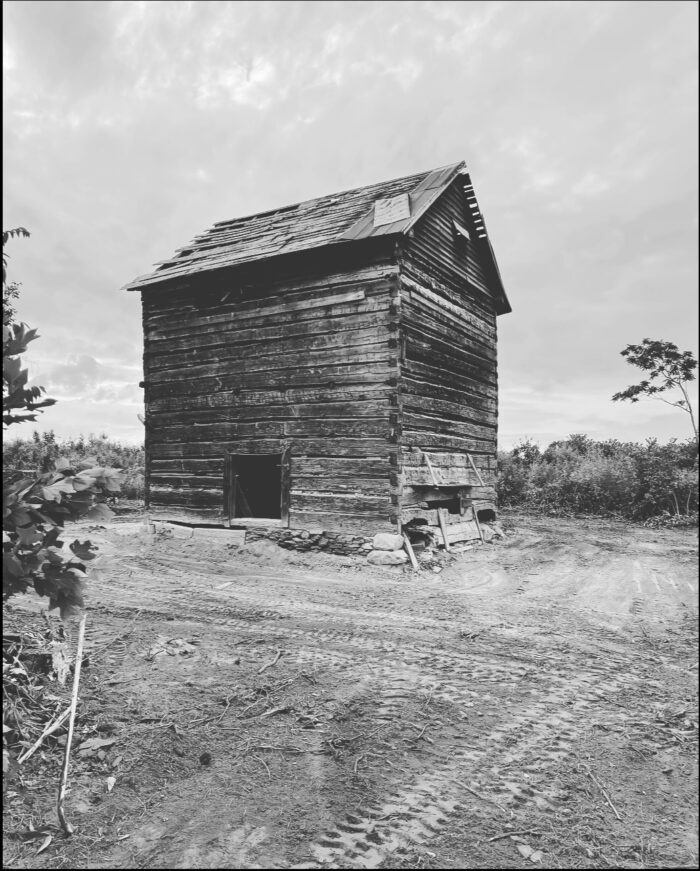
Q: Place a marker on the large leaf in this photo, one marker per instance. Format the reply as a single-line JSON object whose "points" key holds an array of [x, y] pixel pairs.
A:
{"points": [[99, 512], [12, 567], [54, 556], [63, 585], [19, 516], [111, 480], [105, 477], [30, 534], [83, 480], [64, 465], [52, 493], [85, 550]]}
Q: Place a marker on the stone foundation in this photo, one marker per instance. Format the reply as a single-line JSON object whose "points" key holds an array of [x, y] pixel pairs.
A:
{"points": [[299, 539], [381, 549]]}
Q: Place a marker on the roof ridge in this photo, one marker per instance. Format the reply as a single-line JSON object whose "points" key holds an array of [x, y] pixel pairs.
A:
{"points": [[330, 196], [331, 219]]}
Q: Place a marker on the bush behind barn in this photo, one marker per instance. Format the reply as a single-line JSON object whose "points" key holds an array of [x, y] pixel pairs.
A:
{"points": [[582, 476], [38, 453]]}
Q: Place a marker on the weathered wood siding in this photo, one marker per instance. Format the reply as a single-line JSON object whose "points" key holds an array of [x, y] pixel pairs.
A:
{"points": [[448, 384], [304, 362]]}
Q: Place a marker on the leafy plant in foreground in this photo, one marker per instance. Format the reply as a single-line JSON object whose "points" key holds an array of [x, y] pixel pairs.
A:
{"points": [[35, 508], [34, 511], [19, 401]]}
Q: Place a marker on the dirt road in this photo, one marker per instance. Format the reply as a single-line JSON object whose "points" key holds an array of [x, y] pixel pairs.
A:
{"points": [[280, 710]]}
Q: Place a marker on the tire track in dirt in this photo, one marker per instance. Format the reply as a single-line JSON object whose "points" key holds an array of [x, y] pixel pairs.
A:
{"points": [[392, 661], [531, 740]]}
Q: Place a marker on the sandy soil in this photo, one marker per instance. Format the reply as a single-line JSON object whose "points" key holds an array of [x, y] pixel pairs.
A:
{"points": [[534, 704]]}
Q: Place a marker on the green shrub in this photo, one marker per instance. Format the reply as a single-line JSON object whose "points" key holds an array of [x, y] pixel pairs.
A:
{"points": [[580, 475]]}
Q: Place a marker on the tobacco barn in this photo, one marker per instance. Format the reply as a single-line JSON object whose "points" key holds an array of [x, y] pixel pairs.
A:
{"points": [[328, 366]]}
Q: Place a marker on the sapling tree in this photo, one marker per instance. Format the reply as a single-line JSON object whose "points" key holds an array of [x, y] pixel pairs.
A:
{"points": [[668, 368]]}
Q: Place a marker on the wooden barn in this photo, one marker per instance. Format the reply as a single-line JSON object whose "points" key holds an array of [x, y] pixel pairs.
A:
{"points": [[329, 365]]}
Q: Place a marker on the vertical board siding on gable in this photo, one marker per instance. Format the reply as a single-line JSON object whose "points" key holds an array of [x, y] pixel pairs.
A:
{"points": [[307, 363], [449, 374]]}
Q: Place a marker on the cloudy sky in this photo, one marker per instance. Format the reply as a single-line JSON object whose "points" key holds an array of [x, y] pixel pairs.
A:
{"points": [[129, 127]]}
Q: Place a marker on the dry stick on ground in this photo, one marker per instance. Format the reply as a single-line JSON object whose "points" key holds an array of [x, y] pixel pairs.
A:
{"points": [[421, 733], [262, 761], [269, 713], [270, 664], [600, 787], [508, 834], [428, 699], [227, 702], [484, 798], [228, 705], [50, 729], [67, 828]]}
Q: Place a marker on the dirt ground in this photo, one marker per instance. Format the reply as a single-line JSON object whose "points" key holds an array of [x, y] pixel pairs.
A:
{"points": [[533, 704]]}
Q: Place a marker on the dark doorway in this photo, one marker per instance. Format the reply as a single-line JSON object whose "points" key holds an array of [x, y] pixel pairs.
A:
{"points": [[255, 485], [452, 504]]}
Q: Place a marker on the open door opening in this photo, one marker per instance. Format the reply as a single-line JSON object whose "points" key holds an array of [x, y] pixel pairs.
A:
{"points": [[255, 486]]}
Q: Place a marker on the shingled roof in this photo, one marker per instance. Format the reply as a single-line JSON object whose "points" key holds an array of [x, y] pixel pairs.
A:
{"points": [[334, 219]]}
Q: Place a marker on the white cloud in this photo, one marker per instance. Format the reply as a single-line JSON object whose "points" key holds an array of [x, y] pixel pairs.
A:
{"points": [[590, 185], [131, 127], [251, 85]]}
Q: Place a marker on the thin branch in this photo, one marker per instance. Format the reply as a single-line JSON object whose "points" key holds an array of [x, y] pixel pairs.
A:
{"points": [[672, 404], [262, 761], [602, 789], [67, 828], [510, 834], [270, 664], [49, 730]]}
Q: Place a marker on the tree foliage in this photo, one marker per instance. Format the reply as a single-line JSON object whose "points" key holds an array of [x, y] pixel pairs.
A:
{"points": [[10, 290], [6, 236], [35, 508], [580, 475], [34, 512], [668, 368], [20, 402]]}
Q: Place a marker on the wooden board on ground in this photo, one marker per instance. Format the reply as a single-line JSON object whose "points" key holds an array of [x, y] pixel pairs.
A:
{"points": [[465, 531]]}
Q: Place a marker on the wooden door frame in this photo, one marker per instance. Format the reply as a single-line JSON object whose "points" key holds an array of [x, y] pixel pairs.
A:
{"points": [[230, 482]]}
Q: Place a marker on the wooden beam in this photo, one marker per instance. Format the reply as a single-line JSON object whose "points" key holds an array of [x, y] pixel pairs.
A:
{"points": [[285, 475], [229, 488], [430, 467], [478, 525], [443, 527], [409, 551], [476, 471]]}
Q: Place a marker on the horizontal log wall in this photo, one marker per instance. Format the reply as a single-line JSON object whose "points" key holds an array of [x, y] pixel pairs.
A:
{"points": [[448, 389], [308, 362]]}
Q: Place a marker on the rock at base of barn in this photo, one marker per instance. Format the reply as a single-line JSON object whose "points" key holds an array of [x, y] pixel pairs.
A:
{"points": [[172, 530], [387, 541], [387, 557], [491, 531]]}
